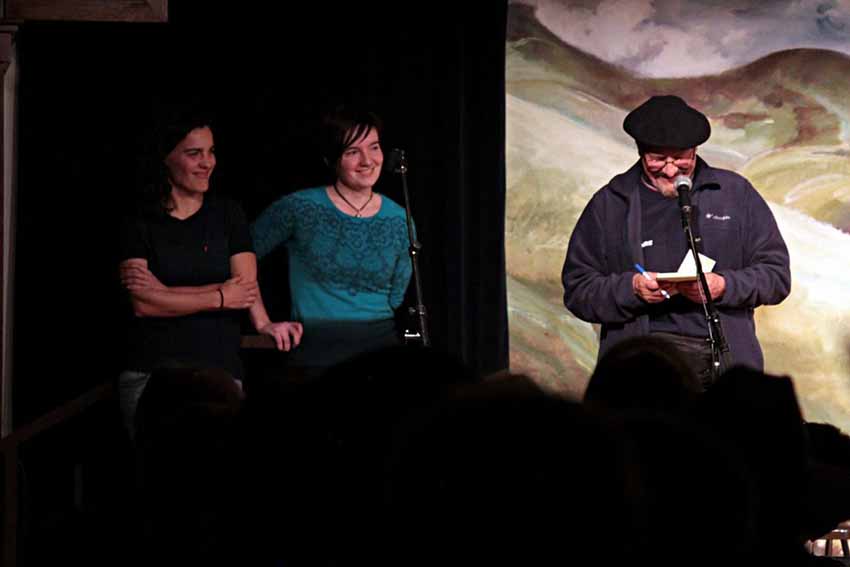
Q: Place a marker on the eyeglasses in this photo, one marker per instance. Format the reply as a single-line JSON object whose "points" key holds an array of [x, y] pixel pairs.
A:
{"points": [[657, 162]]}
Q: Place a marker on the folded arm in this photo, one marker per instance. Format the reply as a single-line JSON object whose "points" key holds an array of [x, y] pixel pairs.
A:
{"points": [[151, 298]]}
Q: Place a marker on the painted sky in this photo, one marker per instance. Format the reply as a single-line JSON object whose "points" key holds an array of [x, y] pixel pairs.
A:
{"points": [[685, 38]]}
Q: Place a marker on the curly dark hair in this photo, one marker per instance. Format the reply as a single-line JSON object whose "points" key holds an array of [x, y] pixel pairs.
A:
{"points": [[172, 124]]}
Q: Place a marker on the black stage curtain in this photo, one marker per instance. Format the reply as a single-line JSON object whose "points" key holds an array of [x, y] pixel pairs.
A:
{"points": [[87, 93]]}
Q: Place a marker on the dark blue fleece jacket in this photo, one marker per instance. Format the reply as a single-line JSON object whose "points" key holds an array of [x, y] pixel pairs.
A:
{"points": [[737, 230]]}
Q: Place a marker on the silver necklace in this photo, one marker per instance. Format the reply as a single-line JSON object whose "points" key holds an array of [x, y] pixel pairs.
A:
{"points": [[357, 211]]}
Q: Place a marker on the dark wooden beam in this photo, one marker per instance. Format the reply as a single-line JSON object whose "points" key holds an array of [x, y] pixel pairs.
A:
{"points": [[7, 56], [88, 10]]}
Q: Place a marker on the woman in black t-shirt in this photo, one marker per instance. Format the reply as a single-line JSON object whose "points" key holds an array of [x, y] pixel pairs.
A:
{"points": [[189, 267]]}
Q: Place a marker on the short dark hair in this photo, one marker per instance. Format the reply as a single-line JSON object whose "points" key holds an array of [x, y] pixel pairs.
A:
{"points": [[343, 126]]}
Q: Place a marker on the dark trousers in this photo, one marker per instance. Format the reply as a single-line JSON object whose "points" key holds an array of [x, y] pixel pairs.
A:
{"points": [[697, 353]]}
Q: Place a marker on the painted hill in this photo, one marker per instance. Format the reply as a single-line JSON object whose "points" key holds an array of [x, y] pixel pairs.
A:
{"points": [[793, 100], [810, 84]]}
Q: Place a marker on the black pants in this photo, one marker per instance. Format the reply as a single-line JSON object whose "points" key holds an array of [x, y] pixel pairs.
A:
{"points": [[697, 353], [327, 343], [323, 346]]}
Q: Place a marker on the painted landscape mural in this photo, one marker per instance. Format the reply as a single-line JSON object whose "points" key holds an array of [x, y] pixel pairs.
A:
{"points": [[780, 115]]}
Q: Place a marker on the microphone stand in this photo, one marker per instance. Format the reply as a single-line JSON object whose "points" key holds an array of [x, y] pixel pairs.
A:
{"points": [[719, 347], [414, 249]]}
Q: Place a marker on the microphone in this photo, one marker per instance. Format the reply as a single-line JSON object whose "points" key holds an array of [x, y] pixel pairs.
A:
{"points": [[683, 185], [396, 161]]}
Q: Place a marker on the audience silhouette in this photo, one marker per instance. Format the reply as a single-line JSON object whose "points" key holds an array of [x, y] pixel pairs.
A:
{"points": [[404, 457], [189, 469]]}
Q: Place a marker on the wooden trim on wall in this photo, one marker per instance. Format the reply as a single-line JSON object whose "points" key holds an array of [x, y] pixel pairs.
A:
{"points": [[88, 10], [8, 90]]}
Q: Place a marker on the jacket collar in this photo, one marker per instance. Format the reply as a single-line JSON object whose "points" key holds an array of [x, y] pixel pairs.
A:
{"points": [[705, 176]]}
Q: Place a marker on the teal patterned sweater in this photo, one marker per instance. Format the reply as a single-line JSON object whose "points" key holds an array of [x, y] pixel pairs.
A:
{"points": [[341, 268]]}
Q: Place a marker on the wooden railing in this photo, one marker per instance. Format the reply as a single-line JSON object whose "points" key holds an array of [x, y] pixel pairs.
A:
{"points": [[10, 452], [257, 341], [11, 444]]}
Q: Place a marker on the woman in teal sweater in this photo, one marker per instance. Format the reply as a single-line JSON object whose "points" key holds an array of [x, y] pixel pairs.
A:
{"points": [[348, 248]]}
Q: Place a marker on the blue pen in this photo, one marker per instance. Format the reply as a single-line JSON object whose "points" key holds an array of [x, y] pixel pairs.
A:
{"points": [[644, 274]]}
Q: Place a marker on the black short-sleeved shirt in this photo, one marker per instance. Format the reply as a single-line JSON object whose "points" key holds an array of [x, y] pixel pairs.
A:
{"points": [[192, 252]]}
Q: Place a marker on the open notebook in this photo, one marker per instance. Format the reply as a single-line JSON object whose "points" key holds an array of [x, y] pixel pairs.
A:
{"points": [[687, 269]]}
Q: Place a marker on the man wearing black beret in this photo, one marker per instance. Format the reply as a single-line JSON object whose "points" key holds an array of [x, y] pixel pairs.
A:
{"points": [[635, 220]]}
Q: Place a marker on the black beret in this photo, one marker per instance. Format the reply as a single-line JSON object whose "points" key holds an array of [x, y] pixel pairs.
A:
{"points": [[667, 122]]}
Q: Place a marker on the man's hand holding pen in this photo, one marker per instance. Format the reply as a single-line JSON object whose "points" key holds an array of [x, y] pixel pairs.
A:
{"points": [[649, 289]]}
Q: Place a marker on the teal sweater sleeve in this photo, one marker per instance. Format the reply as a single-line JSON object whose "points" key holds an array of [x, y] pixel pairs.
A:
{"points": [[274, 226], [400, 280]]}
